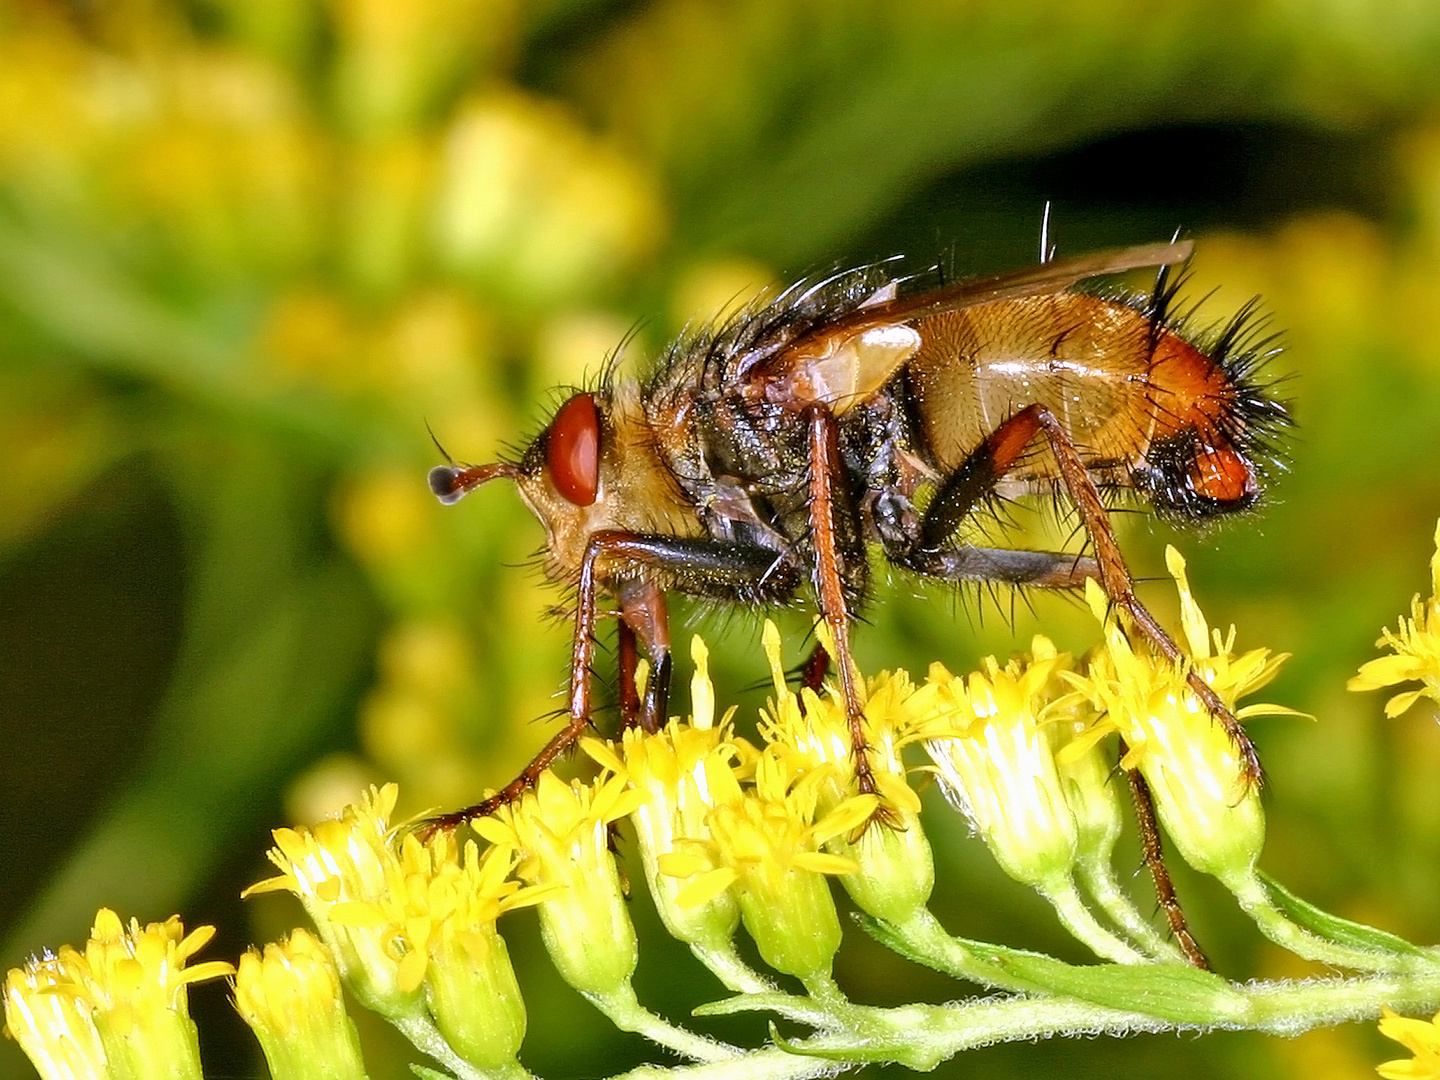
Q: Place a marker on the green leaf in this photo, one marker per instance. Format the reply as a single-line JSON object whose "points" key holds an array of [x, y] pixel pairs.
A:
{"points": [[1171, 992], [1333, 927], [1179, 994]]}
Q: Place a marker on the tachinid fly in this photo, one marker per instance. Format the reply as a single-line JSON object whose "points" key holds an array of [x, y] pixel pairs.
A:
{"points": [[769, 455]]}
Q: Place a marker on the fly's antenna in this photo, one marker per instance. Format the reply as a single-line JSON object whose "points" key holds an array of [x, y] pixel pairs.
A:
{"points": [[451, 483]]}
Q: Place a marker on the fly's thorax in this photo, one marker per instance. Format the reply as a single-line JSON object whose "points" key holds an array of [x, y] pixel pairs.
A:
{"points": [[630, 489]]}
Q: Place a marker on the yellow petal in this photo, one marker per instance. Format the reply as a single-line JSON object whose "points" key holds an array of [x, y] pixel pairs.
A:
{"points": [[1400, 702], [846, 818], [704, 888], [1383, 671], [822, 862], [603, 754], [680, 864], [412, 970]]}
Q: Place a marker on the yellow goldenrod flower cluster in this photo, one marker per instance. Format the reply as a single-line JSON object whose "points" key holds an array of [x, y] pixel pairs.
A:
{"points": [[731, 833], [116, 1010], [411, 924], [672, 771]]}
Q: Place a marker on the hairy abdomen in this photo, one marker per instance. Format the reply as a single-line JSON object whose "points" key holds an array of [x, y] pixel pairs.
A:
{"points": [[1117, 383]]}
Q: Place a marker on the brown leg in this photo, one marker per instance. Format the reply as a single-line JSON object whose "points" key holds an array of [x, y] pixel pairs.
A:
{"points": [[816, 667], [825, 467], [627, 660], [643, 612], [1154, 855], [995, 457], [813, 672], [581, 656], [958, 495], [711, 569], [1120, 586]]}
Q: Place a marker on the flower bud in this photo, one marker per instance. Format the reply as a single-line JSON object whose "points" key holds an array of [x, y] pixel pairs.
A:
{"points": [[996, 765], [290, 997], [562, 832]]}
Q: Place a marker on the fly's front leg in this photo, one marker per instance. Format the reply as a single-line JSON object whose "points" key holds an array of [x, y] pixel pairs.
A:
{"points": [[826, 504], [628, 564], [581, 655], [643, 614]]}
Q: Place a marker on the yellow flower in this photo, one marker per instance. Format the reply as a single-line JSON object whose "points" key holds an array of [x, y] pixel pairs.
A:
{"points": [[764, 845], [52, 1023], [290, 997], [894, 867], [996, 762], [1416, 645], [335, 868], [669, 767], [562, 834], [119, 1008], [1421, 1038], [404, 918], [1202, 793]]}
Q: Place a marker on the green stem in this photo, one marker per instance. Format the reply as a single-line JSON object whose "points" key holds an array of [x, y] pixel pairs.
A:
{"points": [[725, 964], [822, 987], [922, 1036], [1255, 901], [767, 1064], [624, 1010], [426, 1037], [1098, 877], [924, 940], [1082, 924]]}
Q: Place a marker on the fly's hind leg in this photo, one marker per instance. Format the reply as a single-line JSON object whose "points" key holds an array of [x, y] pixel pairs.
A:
{"points": [[977, 476], [933, 555]]}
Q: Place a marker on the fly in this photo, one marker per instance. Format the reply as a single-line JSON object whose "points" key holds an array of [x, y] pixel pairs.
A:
{"points": [[766, 456]]}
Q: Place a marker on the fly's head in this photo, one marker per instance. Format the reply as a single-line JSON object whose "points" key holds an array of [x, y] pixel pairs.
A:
{"points": [[593, 469]]}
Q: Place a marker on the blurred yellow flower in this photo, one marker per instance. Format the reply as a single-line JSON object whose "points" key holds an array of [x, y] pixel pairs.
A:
{"points": [[1416, 647], [119, 1007], [1421, 1038]]}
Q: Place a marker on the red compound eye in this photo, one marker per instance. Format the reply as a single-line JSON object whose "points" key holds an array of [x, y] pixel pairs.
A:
{"points": [[572, 450]]}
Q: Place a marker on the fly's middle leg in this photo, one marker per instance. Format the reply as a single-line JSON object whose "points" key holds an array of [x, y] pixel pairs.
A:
{"points": [[827, 504]]}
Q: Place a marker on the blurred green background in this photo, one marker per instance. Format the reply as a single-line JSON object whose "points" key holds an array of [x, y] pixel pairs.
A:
{"points": [[250, 248]]}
